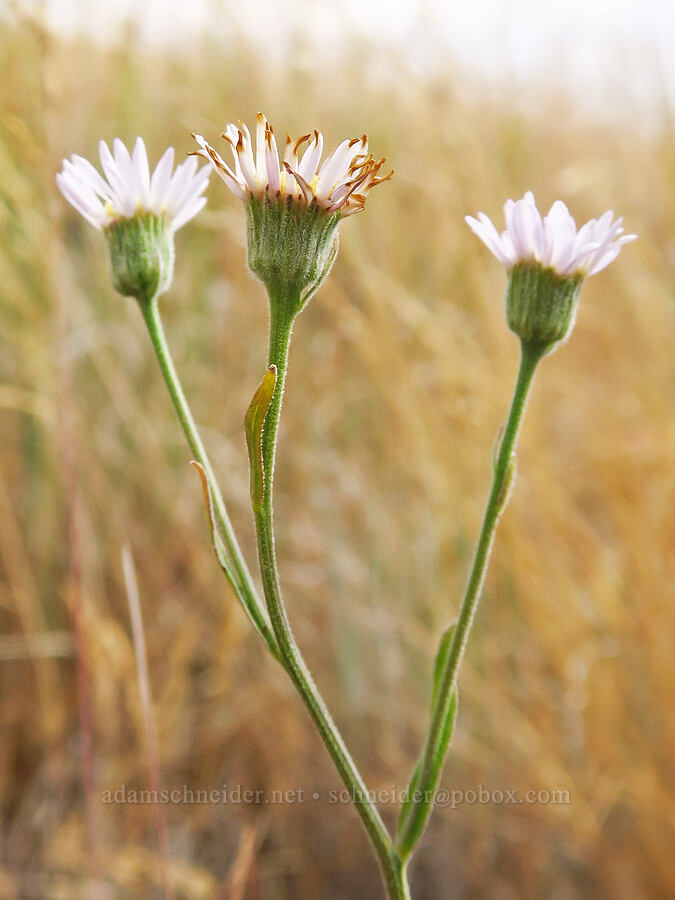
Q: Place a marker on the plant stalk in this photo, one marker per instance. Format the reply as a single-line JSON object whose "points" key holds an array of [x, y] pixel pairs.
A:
{"points": [[434, 750], [284, 304], [240, 577]]}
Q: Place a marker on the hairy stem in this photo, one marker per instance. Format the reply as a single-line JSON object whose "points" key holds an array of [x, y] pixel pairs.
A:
{"points": [[283, 305]]}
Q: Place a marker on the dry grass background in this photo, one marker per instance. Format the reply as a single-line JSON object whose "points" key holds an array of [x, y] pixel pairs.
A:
{"points": [[401, 372]]}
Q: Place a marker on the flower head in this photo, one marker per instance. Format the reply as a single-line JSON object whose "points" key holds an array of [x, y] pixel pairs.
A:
{"points": [[137, 212], [553, 241], [547, 260], [128, 188], [294, 206], [339, 184]]}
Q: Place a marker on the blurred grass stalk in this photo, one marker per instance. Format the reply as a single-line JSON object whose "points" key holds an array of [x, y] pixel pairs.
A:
{"points": [[150, 731]]}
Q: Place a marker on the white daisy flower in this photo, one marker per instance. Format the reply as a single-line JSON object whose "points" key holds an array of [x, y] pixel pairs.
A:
{"points": [[340, 184], [552, 241], [128, 188]]}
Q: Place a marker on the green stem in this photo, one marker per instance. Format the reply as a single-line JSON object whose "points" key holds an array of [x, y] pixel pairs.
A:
{"points": [[240, 576], [283, 308], [434, 750]]}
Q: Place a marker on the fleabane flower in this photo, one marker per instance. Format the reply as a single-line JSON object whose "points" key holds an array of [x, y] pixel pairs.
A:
{"points": [[554, 240], [294, 204], [339, 184], [138, 212], [130, 189], [547, 260]]}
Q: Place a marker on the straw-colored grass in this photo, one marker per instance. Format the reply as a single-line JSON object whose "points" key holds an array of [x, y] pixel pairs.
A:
{"points": [[400, 376]]}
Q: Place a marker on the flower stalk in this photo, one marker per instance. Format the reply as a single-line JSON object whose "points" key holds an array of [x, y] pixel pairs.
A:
{"points": [[547, 259], [238, 573], [284, 305], [435, 745]]}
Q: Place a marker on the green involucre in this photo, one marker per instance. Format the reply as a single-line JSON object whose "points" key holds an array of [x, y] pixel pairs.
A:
{"points": [[540, 304], [291, 247], [141, 256]]}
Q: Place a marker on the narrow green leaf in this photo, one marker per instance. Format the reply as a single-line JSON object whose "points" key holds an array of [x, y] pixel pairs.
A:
{"points": [[218, 545], [408, 803], [507, 486], [421, 797], [419, 800], [441, 659], [253, 422], [255, 617]]}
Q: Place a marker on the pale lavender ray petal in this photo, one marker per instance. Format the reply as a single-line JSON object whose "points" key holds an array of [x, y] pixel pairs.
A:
{"points": [[99, 184], [123, 161], [508, 213], [508, 249], [522, 228], [114, 176], [272, 163], [609, 255], [305, 189], [488, 234], [141, 172], [561, 232], [219, 164], [189, 211], [86, 208], [245, 158], [311, 157], [161, 178], [260, 166], [576, 259], [333, 168], [194, 189], [244, 152], [180, 184], [233, 183], [79, 176]]}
